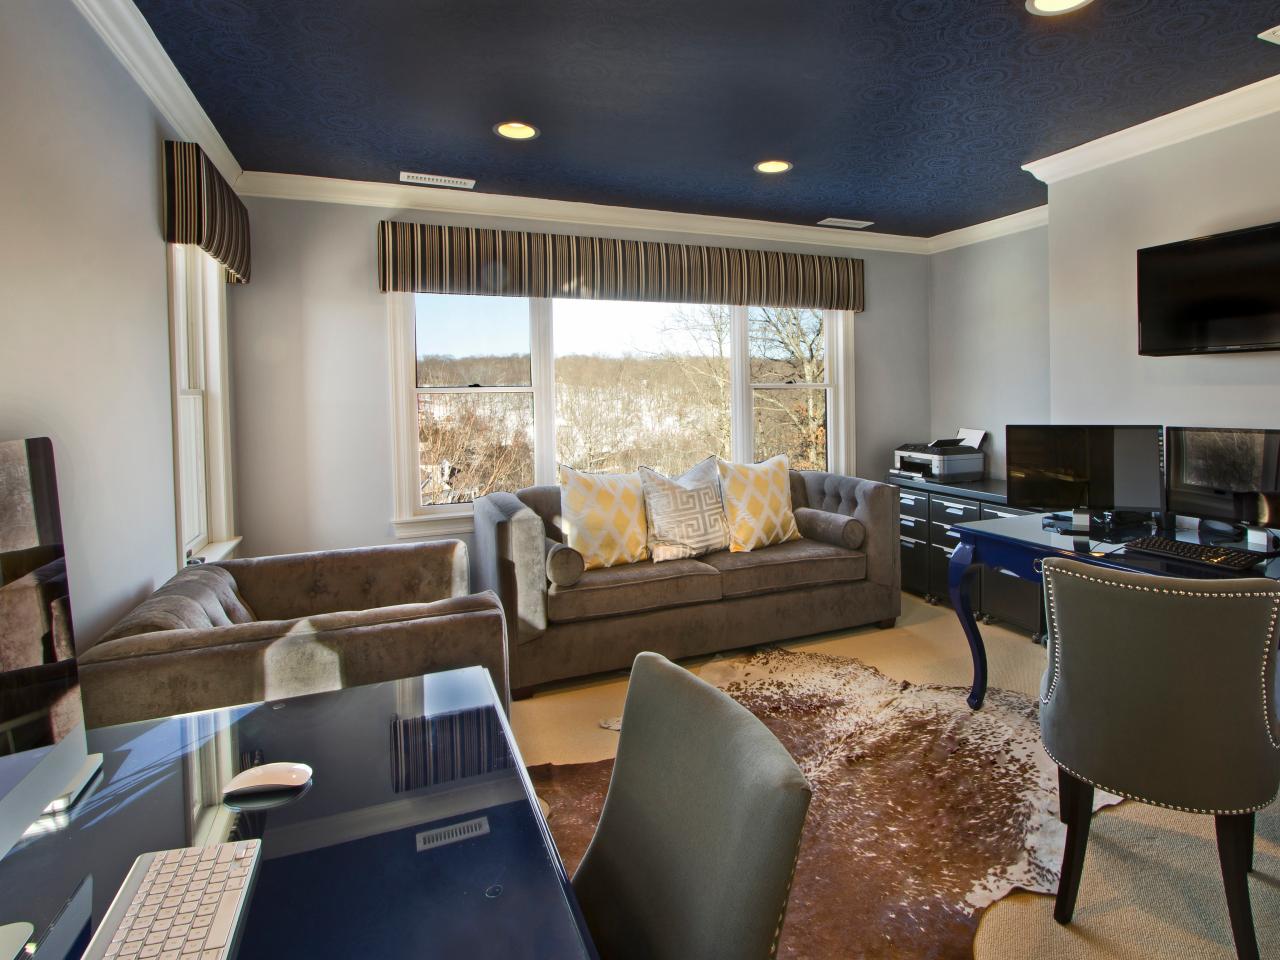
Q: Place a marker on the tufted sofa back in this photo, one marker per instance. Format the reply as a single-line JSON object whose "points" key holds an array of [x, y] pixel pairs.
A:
{"points": [[195, 598]]}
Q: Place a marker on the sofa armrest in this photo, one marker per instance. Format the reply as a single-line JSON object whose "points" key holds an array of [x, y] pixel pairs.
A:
{"points": [[305, 584], [510, 560], [833, 528], [875, 505], [178, 671]]}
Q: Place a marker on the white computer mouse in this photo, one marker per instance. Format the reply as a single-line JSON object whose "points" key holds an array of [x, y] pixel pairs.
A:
{"points": [[268, 776]]}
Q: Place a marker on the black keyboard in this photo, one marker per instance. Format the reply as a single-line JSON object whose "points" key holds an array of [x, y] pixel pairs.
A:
{"points": [[1221, 558]]}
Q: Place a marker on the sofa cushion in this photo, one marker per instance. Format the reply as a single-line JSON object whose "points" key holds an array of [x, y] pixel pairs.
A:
{"points": [[786, 566], [195, 598], [686, 514], [633, 588]]}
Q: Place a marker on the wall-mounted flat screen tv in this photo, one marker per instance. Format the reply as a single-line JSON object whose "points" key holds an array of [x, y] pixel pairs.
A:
{"points": [[1215, 294]]}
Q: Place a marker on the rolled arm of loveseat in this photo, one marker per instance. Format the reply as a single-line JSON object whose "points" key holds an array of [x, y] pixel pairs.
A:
{"points": [[510, 559], [875, 505], [304, 584], [168, 672]]}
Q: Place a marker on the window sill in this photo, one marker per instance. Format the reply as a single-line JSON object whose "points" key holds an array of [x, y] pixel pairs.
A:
{"points": [[221, 550], [446, 522]]}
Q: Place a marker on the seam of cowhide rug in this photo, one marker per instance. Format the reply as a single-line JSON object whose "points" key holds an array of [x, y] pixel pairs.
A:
{"points": [[924, 812]]}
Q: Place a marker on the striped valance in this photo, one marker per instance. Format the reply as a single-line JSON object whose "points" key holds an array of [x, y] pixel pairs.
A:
{"points": [[201, 208], [422, 258]]}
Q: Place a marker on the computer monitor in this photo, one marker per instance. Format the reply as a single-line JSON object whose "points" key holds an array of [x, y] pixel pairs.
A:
{"points": [[1226, 474], [1116, 469], [42, 738]]}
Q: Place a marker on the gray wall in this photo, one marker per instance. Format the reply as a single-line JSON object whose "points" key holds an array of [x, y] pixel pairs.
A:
{"points": [[84, 332], [310, 374], [989, 338], [1097, 222]]}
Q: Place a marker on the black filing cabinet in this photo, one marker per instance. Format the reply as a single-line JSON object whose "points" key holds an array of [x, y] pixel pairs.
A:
{"points": [[928, 513]]}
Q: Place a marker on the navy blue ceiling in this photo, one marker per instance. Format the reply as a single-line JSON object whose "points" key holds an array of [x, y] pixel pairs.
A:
{"points": [[913, 113]]}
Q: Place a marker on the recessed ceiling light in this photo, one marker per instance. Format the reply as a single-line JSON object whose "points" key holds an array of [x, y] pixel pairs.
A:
{"points": [[1271, 36], [1052, 8], [773, 166], [515, 130]]}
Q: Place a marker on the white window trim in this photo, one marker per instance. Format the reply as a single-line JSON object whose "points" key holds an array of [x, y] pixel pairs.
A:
{"points": [[411, 520], [198, 303]]}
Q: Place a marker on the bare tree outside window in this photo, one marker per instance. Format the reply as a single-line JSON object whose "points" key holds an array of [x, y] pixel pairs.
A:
{"points": [[788, 361], [641, 384], [475, 396]]}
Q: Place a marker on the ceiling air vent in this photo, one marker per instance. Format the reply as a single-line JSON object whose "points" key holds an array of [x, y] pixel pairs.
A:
{"points": [[435, 180], [1271, 36], [845, 224]]}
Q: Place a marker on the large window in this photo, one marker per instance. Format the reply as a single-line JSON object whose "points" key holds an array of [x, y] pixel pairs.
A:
{"points": [[201, 409], [491, 393]]}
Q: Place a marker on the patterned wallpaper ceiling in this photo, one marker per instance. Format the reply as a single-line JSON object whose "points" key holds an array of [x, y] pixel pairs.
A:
{"points": [[913, 113]]}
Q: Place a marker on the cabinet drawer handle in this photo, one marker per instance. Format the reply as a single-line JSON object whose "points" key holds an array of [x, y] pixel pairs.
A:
{"points": [[1002, 516], [958, 511]]}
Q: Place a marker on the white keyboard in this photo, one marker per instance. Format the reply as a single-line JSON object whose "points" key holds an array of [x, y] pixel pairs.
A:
{"points": [[179, 905]]}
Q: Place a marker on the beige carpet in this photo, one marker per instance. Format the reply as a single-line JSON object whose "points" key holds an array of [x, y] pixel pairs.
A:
{"points": [[1151, 886]]}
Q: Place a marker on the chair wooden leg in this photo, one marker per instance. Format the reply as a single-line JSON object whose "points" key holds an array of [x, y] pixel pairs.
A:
{"points": [[1075, 797], [1235, 855]]}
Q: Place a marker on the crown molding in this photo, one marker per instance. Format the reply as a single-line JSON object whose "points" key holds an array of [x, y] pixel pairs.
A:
{"points": [[1227, 110], [1000, 227], [362, 193], [128, 35]]}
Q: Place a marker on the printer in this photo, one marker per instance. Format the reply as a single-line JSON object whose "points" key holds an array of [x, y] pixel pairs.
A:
{"points": [[957, 459]]}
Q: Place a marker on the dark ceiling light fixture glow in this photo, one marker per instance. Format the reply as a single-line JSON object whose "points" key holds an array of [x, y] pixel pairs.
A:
{"points": [[773, 166], [516, 130], [1054, 8]]}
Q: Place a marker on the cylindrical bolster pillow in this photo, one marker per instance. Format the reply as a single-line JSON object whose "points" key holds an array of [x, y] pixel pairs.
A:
{"points": [[564, 564], [833, 528]]}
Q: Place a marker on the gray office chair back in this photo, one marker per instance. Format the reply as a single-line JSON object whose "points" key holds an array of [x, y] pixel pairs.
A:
{"points": [[697, 842], [1163, 689]]}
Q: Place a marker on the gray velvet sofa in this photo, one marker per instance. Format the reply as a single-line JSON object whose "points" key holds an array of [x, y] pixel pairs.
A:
{"points": [[564, 623], [241, 631]]}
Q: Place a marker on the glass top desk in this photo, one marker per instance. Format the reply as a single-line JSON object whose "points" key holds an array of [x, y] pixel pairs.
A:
{"points": [[1019, 546], [358, 865]]}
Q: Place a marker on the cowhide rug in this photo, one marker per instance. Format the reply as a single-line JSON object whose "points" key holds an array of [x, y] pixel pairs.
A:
{"points": [[924, 812]]}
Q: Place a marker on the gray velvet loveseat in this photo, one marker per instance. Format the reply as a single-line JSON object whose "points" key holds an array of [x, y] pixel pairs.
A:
{"points": [[241, 631], [562, 622]]}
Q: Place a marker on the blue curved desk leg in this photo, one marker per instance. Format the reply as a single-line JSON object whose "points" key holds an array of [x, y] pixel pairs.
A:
{"points": [[960, 574]]}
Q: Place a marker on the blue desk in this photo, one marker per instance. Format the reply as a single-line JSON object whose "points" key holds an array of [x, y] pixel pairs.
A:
{"points": [[345, 870], [1020, 545]]}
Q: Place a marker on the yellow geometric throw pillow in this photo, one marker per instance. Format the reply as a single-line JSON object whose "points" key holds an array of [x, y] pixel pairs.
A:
{"points": [[757, 501], [603, 517]]}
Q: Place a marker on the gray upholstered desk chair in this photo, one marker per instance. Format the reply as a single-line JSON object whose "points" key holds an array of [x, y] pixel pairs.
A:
{"points": [[697, 842], [1163, 690]]}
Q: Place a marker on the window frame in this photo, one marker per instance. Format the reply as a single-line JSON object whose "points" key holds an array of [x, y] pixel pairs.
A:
{"points": [[412, 520], [201, 406]]}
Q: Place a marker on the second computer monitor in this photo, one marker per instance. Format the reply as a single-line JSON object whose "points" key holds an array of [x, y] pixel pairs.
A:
{"points": [[1096, 467], [1224, 473]]}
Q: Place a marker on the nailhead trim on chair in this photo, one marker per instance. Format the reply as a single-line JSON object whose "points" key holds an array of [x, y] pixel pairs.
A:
{"points": [[786, 899], [1274, 596]]}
